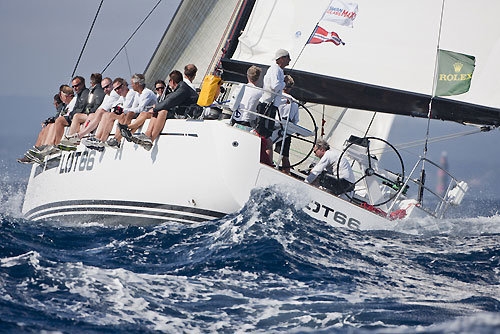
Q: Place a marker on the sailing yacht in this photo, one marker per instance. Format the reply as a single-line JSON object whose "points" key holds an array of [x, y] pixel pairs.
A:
{"points": [[202, 169]]}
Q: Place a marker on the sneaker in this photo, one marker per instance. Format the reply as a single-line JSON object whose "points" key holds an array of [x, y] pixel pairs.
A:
{"points": [[25, 160], [71, 140], [48, 150], [39, 148], [34, 158], [140, 138], [34, 153], [92, 141], [145, 142], [146, 145], [95, 148], [113, 143], [63, 147], [125, 132]]}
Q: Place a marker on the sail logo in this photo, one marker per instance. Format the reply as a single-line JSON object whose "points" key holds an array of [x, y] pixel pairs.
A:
{"points": [[341, 12]]}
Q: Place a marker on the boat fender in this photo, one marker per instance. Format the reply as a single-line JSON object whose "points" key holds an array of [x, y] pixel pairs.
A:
{"points": [[456, 195], [210, 89]]}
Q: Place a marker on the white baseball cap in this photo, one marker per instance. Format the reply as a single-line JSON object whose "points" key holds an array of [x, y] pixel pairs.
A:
{"points": [[281, 53]]}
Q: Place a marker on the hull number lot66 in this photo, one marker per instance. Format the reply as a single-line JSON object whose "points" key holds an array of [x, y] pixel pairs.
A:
{"points": [[335, 216], [77, 161]]}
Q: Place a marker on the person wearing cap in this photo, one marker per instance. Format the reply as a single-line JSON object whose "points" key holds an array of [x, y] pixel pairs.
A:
{"points": [[274, 82]]}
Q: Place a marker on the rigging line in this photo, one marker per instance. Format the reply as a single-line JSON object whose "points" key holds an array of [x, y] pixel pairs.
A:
{"points": [[87, 39], [128, 61], [429, 115], [415, 143], [434, 80], [371, 122], [128, 40]]}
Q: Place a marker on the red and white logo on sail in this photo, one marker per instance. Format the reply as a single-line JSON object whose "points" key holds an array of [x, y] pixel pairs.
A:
{"points": [[320, 35], [341, 12]]}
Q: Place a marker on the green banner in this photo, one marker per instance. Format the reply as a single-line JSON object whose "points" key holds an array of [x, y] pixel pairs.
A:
{"points": [[454, 73]]}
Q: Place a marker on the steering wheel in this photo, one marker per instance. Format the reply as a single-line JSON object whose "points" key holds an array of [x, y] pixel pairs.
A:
{"points": [[370, 172], [311, 142]]}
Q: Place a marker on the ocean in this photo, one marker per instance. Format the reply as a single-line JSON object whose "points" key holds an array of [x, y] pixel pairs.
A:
{"points": [[269, 268]]}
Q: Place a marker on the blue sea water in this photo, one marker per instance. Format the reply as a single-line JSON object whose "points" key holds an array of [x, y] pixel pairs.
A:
{"points": [[269, 268]]}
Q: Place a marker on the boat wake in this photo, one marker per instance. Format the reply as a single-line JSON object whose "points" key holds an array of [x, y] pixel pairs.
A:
{"points": [[267, 268]]}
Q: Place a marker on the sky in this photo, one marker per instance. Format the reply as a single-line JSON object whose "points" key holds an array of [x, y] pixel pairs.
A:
{"points": [[41, 42]]}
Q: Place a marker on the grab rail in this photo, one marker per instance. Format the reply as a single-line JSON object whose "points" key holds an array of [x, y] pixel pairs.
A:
{"points": [[453, 195]]}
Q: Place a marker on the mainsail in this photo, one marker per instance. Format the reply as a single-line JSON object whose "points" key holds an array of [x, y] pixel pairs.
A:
{"points": [[386, 65]]}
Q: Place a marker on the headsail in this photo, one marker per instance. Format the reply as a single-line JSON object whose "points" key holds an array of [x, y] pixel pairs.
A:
{"points": [[197, 34]]}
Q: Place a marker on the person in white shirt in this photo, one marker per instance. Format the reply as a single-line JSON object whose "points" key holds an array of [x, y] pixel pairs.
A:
{"points": [[128, 99], [289, 110], [274, 82], [245, 99], [140, 113], [189, 75], [328, 163]]}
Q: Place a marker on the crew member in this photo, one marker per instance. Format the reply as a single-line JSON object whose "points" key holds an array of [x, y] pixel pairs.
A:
{"points": [[328, 165]]}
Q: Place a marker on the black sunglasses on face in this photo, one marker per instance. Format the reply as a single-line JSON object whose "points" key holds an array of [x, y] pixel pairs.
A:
{"points": [[116, 89], [107, 86], [78, 84], [158, 88]]}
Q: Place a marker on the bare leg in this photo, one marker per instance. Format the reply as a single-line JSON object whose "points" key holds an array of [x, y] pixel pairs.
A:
{"points": [[285, 162], [94, 122], [143, 116], [155, 128], [43, 133], [269, 149], [77, 120], [106, 125], [56, 132]]}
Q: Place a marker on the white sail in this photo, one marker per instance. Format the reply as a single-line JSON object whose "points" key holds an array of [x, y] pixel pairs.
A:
{"points": [[195, 35]]}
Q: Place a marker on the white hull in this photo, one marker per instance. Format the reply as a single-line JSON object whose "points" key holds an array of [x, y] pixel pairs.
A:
{"points": [[196, 171]]}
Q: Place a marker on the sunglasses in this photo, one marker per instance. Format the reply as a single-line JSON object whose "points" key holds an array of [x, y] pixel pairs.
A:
{"points": [[119, 87], [107, 86], [74, 86], [160, 88]]}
